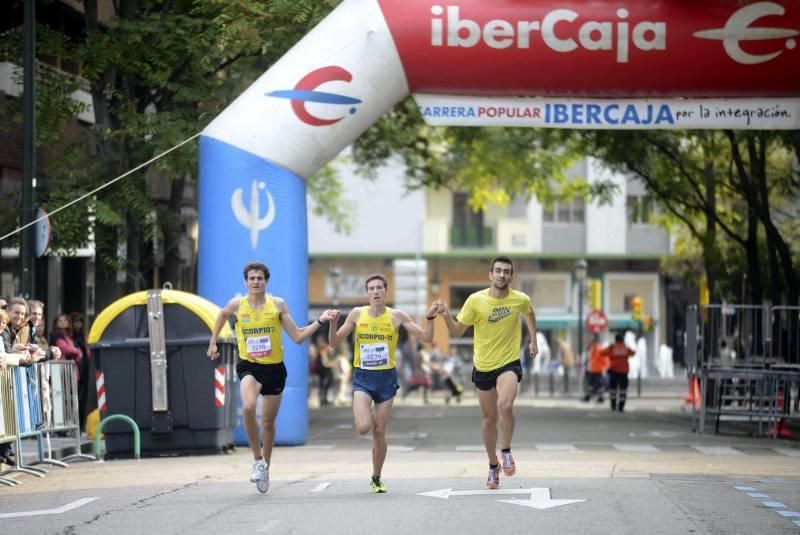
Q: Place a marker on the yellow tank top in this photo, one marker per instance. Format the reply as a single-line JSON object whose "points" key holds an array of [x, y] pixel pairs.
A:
{"points": [[375, 341], [258, 332]]}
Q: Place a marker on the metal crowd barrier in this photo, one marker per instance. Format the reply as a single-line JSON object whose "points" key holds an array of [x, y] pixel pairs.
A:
{"points": [[747, 361], [8, 416], [36, 401]]}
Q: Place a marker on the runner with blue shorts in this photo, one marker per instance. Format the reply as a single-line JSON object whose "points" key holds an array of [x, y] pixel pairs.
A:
{"points": [[376, 329]]}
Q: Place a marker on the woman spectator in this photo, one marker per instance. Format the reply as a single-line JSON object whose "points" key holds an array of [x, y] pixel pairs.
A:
{"points": [[77, 322], [61, 337]]}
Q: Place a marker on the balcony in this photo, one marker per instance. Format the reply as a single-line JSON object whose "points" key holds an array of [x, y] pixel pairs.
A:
{"points": [[471, 237]]}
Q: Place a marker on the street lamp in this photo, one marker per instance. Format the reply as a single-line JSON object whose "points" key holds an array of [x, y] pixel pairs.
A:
{"points": [[580, 278]]}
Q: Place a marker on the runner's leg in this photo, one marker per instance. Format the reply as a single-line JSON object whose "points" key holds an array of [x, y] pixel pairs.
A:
{"points": [[488, 402], [379, 445], [269, 412], [506, 394], [250, 389]]}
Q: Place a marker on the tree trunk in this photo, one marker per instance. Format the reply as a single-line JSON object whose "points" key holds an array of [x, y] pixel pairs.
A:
{"points": [[133, 282], [779, 252], [172, 235], [710, 236]]}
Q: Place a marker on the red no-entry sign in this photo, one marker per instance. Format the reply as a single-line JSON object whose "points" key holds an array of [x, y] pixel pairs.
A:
{"points": [[596, 321]]}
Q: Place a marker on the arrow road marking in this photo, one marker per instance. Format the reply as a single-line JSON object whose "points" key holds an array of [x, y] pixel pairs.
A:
{"points": [[56, 511], [539, 498]]}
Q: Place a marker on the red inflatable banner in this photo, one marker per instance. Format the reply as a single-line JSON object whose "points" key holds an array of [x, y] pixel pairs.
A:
{"points": [[637, 48]]}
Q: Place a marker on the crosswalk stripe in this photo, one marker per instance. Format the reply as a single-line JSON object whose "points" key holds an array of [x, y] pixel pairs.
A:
{"points": [[636, 448], [557, 447], [717, 450]]}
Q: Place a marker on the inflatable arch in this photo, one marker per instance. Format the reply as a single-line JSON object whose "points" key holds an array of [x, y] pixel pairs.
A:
{"points": [[477, 57]]}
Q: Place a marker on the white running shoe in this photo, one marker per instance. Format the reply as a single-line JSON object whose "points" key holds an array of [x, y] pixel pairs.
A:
{"points": [[258, 467], [263, 481]]}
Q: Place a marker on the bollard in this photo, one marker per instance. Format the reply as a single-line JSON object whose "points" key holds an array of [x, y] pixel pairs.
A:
{"points": [[137, 449], [552, 384]]}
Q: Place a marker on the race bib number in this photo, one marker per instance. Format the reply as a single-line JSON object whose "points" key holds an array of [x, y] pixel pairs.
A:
{"points": [[260, 346], [374, 355]]}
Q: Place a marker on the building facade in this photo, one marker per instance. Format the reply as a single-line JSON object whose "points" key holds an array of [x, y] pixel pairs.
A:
{"points": [[430, 245]]}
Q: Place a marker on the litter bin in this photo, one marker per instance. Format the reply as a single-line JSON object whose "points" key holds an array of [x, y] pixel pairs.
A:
{"points": [[151, 365]]}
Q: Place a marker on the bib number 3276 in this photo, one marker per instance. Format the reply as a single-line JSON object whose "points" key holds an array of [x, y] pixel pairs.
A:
{"points": [[374, 355]]}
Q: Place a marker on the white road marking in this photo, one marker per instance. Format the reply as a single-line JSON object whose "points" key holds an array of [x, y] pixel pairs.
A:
{"points": [[470, 448], [788, 452], [56, 511], [717, 450], [557, 447], [321, 487], [636, 448], [538, 498]]}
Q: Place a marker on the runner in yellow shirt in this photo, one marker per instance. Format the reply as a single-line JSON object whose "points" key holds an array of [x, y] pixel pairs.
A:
{"points": [[494, 313], [376, 329], [259, 320]]}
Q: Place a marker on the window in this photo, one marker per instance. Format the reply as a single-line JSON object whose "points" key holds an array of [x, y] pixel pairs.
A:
{"points": [[468, 229], [566, 212], [518, 208], [641, 209]]}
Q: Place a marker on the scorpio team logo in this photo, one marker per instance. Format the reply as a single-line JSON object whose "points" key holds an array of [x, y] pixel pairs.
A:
{"points": [[305, 91], [738, 28], [251, 219]]}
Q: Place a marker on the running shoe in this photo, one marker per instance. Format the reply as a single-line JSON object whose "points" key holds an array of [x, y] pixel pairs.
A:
{"points": [[255, 473], [377, 485], [263, 481], [509, 468], [493, 481]]}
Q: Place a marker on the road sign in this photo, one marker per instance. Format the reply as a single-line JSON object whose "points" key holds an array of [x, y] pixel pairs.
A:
{"points": [[596, 321], [42, 231], [538, 498]]}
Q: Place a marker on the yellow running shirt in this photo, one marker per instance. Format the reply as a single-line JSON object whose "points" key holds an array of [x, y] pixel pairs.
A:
{"points": [[259, 332], [497, 328], [375, 341]]}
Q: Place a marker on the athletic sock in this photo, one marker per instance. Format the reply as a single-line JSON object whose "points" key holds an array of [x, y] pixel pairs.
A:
{"points": [[494, 466], [507, 450]]}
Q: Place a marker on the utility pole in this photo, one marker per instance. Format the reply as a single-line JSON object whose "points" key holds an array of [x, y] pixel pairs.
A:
{"points": [[29, 158]]}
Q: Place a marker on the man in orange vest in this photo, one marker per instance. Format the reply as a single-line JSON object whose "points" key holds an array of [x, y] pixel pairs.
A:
{"points": [[598, 364], [618, 353]]}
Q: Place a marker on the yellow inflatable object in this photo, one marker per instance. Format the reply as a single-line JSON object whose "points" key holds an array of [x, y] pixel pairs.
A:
{"points": [[92, 423]]}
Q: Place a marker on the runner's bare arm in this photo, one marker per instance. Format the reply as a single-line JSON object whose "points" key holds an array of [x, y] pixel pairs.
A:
{"points": [[530, 321], [455, 327], [224, 313], [336, 336], [426, 334], [297, 334]]}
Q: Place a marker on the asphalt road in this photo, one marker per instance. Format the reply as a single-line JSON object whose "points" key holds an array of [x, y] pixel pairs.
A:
{"points": [[580, 469]]}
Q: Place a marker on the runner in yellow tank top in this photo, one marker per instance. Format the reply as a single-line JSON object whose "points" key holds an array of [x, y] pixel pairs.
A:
{"points": [[376, 329], [260, 320], [495, 314]]}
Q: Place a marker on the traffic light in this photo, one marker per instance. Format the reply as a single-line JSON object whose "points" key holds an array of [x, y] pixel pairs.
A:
{"points": [[594, 294], [636, 308]]}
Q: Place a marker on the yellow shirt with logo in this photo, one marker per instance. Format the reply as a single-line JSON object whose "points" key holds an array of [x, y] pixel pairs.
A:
{"points": [[497, 327], [258, 332], [375, 341]]}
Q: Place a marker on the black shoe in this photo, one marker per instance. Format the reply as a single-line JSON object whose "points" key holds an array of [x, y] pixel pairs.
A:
{"points": [[8, 459]]}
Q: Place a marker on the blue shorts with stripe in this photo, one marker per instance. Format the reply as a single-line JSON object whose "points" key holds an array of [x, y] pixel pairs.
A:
{"points": [[380, 385]]}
